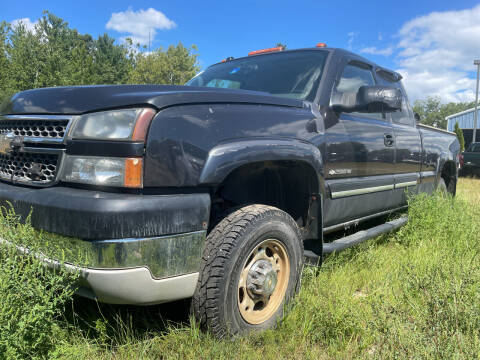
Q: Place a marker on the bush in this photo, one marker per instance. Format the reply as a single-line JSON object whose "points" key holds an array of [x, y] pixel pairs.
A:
{"points": [[32, 296]]}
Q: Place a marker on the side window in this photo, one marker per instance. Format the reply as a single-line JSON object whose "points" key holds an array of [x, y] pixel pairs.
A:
{"points": [[405, 115], [474, 148], [352, 78]]}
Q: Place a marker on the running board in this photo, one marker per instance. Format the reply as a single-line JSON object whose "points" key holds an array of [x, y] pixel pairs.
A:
{"points": [[357, 238]]}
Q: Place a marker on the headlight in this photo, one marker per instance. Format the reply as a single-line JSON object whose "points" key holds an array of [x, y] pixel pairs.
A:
{"points": [[122, 172], [125, 124]]}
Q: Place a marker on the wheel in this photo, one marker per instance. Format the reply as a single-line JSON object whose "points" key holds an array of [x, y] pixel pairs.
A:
{"points": [[251, 269]]}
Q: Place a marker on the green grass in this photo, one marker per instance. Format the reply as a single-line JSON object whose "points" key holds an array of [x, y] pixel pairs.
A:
{"points": [[411, 294]]}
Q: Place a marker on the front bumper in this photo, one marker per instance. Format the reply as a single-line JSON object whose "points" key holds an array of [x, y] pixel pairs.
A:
{"points": [[95, 215], [129, 285], [129, 249]]}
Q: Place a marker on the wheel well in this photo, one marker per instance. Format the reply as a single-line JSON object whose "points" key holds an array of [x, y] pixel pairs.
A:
{"points": [[288, 185], [449, 175]]}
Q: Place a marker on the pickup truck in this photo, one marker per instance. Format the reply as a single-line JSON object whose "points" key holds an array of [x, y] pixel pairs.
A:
{"points": [[471, 160], [214, 190]]}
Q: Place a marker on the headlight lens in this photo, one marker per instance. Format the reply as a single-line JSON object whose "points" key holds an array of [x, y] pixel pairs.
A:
{"points": [[125, 124], [94, 170]]}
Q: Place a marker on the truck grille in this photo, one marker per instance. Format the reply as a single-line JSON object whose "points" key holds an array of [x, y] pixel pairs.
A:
{"points": [[37, 161], [26, 167], [47, 129]]}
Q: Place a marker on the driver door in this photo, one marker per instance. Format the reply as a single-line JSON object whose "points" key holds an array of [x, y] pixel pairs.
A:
{"points": [[360, 153]]}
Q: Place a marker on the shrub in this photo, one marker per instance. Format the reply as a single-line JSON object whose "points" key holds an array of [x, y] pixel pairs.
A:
{"points": [[32, 296]]}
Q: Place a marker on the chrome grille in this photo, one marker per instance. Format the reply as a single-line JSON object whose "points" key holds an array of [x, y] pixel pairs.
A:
{"points": [[37, 161], [26, 167], [47, 129]]}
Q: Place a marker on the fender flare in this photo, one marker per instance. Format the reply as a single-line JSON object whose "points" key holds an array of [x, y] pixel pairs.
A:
{"points": [[226, 157]]}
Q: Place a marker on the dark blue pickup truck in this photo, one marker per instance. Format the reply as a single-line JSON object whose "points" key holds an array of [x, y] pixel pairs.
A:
{"points": [[214, 189]]}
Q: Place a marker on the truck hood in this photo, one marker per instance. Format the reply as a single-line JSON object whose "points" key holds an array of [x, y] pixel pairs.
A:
{"points": [[82, 99]]}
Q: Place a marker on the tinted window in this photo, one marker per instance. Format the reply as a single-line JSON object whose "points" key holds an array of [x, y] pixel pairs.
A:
{"points": [[353, 77], [405, 115], [287, 74], [474, 148]]}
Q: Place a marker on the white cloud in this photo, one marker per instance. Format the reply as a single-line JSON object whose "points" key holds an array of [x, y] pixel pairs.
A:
{"points": [[140, 25], [436, 54], [29, 24], [375, 51], [351, 38]]}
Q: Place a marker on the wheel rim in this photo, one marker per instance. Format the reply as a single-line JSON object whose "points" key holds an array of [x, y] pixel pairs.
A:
{"points": [[263, 281]]}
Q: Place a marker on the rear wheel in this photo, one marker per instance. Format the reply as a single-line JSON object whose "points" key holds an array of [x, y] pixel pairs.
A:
{"points": [[251, 269]]}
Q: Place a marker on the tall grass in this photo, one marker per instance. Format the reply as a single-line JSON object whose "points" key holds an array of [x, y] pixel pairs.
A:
{"points": [[411, 294], [32, 297]]}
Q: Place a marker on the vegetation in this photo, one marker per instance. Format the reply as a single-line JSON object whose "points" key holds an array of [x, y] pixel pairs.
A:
{"points": [[412, 294], [460, 137], [56, 55], [433, 112]]}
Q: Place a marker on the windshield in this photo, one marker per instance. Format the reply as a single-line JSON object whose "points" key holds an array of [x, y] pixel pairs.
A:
{"points": [[289, 74]]}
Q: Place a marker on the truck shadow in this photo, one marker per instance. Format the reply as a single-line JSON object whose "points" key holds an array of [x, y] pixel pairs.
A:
{"points": [[118, 324]]}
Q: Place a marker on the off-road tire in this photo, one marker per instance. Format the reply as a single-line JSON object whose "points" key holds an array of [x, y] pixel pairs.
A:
{"points": [[215, 303], [443, 188]]}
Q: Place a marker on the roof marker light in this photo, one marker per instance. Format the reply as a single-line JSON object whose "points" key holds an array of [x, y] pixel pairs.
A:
{"points": [[321, 45], [264, 51]]}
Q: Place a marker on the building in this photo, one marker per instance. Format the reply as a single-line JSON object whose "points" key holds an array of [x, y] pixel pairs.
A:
{"points": [[465, 121]]}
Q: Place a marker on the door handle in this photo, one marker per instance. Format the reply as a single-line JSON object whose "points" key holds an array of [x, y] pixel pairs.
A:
{"points": [[388, 139]]}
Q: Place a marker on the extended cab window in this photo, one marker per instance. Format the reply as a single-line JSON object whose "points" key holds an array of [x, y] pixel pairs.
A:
{"points": [[353, 77], [293, 74]]}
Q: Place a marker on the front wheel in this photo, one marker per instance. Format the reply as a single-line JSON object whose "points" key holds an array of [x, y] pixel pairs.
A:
{"points": [[251, 269]]}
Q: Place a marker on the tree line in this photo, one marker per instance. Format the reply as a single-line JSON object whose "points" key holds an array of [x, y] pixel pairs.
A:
{"points": [[53, 54]]}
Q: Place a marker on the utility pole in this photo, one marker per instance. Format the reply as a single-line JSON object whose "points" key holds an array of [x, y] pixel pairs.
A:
{"points": [[149, 29], [476, 62]]}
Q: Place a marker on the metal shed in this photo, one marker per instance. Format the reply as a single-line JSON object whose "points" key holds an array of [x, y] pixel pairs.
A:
{"points": [[465, 121]]}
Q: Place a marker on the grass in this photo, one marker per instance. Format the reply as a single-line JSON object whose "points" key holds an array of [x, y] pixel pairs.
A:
{"points": [[411, 294]]}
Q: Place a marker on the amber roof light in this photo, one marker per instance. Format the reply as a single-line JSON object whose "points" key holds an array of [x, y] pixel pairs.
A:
{"points": [[264, 51]]}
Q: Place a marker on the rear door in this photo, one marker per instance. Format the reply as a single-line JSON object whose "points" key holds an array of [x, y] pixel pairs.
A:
{"points": [[359, 155]]}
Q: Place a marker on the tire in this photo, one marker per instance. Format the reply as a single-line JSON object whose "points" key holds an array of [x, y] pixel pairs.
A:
{"points": [[441, 186], [248, 251], [444, 189]]}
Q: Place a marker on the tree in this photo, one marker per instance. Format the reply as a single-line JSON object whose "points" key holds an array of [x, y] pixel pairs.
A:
{"points": [[175, 66], [432, 112], [459, 133]]}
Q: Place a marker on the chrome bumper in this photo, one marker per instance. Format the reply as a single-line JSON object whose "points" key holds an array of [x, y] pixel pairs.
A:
{"points": [[128, 271]]}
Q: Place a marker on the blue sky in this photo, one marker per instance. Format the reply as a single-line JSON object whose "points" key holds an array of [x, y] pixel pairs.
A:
{"points": [[432, 43]]}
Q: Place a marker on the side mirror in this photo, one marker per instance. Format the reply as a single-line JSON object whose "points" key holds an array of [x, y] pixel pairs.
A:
{"points": [[370, 99], [417, 118]]}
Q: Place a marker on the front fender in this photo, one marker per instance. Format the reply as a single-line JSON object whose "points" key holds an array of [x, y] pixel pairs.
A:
{"points": [[226, 157]]}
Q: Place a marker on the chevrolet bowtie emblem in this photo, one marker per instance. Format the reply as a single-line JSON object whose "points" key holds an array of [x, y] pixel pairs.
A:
{"points": [[6, 141]]}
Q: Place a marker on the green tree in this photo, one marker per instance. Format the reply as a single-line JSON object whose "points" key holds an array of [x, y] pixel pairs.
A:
{"points": [[175, 66], [459, 133], [432, 112], [111, 62]]}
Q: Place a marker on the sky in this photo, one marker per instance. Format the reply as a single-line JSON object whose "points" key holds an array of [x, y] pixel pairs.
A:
{"points": [[431, 43]]}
